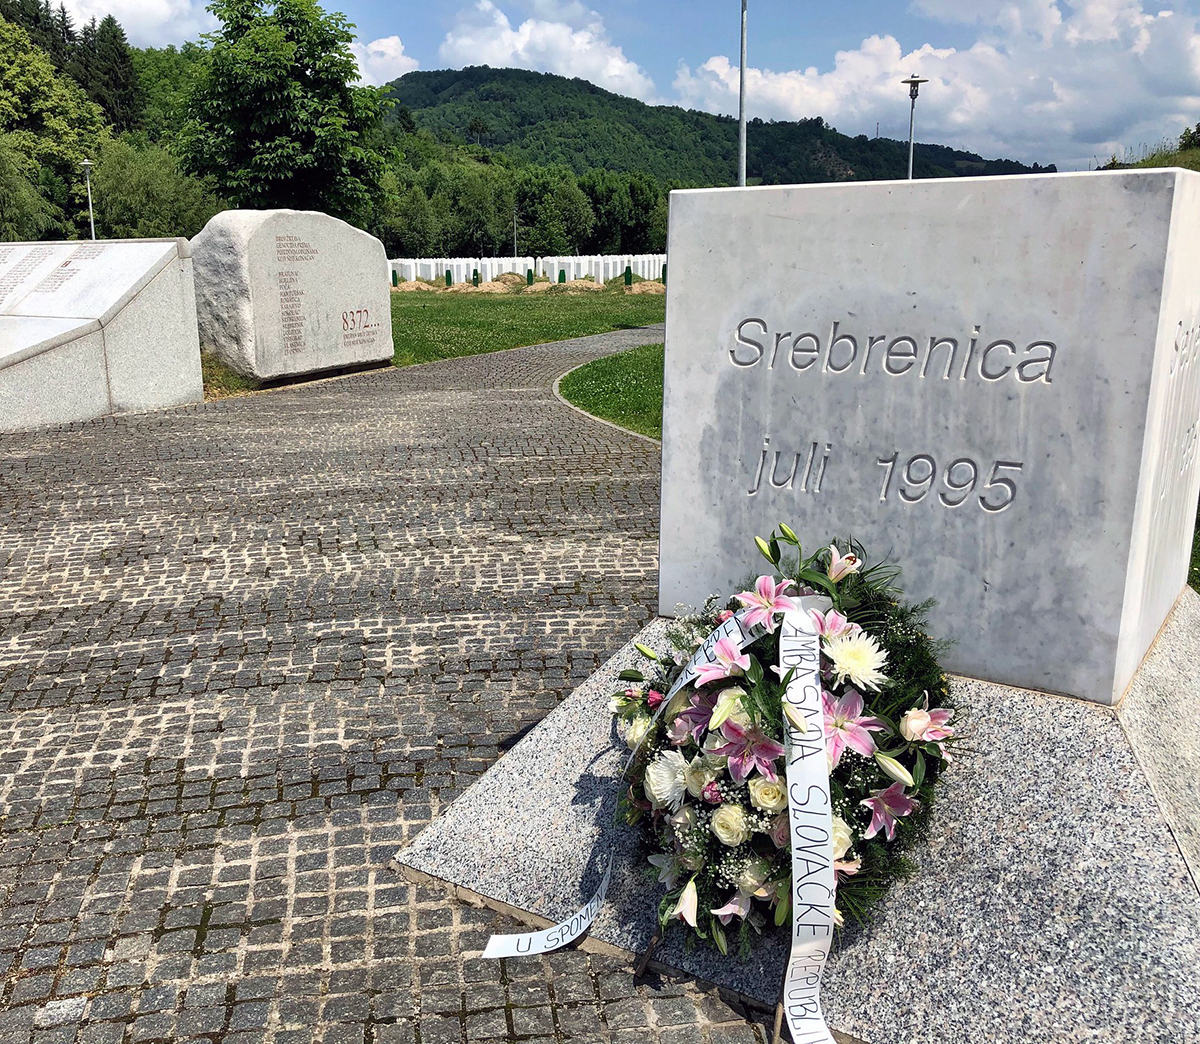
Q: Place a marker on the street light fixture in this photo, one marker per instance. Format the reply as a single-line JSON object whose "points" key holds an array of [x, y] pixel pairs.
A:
{"points": [[87, 173], [914, 84], [742, 106]]}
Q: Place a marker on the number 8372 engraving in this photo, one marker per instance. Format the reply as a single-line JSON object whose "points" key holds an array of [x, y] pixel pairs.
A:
{"points": [[958, 481]]}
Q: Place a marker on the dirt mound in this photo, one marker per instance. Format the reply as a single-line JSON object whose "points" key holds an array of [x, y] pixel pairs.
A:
{"points": [[647, 287], [577, 285], [511, 278], [409, 285], [537, 288], [492, 287]]}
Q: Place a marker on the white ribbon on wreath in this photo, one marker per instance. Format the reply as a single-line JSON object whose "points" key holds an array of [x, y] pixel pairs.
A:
{"points": [[810, 814]]}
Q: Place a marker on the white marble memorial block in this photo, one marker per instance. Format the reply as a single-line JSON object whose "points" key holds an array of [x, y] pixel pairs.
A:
{"points": [[283, 292], [995, 380], [94, 328]]}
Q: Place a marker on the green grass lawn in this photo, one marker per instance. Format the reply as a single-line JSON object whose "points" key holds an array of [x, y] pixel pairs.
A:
{"points": [[626, 389], [431, 326]]}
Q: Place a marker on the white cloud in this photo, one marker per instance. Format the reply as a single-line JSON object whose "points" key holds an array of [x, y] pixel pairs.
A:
{"points": [[148, 23], [1045, 81], [382, 60], [561, 37]]}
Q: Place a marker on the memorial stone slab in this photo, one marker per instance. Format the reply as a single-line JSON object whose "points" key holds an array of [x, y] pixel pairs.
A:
{"points": [[95, 328], [284, 292], [994, 380]]}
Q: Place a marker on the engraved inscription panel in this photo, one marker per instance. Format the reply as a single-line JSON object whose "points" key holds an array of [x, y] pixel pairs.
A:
{"points": [[966, 376]]}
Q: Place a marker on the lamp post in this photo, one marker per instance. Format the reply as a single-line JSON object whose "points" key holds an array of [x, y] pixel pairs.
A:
{"points": [[742, 106], [914, 84], [87, 173]]}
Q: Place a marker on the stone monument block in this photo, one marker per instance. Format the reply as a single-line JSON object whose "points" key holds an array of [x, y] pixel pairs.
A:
{"points": [[282, 292], [993, 379], [94, 328]]}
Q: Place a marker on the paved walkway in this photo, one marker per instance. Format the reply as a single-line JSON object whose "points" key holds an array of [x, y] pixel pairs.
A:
{"points": [[248, 648]]}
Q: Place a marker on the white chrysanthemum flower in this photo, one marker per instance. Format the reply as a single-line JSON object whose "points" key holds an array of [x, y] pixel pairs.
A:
{"points": [[666, 782], [857, 657]]}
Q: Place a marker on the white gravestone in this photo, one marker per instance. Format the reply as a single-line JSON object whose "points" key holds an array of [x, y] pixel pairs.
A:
{"points": [[94, 328], [283, 292], [993, 379]]}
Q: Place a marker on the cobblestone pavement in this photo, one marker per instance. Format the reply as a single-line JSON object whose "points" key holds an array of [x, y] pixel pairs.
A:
{"points": [[248, 648]]}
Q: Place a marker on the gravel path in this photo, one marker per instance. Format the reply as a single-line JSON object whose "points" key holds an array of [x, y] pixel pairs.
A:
{"points": [[248, 648]]}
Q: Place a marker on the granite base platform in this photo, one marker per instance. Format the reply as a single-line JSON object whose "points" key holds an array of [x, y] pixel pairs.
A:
{"points": [[1056, 899]]}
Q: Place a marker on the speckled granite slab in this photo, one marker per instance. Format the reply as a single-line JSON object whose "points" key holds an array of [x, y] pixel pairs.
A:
{"points": [[1053, 901]]}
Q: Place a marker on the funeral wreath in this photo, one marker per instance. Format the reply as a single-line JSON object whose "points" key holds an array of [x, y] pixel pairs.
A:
{"points": [[707, 777]]}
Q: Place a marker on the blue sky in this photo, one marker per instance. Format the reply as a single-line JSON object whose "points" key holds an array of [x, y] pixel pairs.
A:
{"points": [[1063, 81]]}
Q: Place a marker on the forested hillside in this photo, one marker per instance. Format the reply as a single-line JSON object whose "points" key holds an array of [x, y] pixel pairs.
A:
{"points": [[541, 118], [266, 112]]}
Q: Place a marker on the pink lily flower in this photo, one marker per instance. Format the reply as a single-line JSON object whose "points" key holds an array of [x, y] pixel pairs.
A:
{"points": [[841, 565], [922, 725], [766, 601], [832, 624], [842, 868], [845, 726], [738, 906], [748, 749], [886, 807], [693, 719], [729, 662]]}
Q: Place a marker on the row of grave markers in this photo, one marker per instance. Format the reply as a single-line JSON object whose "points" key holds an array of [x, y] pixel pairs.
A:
{"points": [[563, 268]]}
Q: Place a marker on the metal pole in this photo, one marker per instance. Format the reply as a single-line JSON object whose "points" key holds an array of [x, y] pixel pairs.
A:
{"points": [[914, 85], [912, 113], [742, 107], [514, 233], [87, 173]]}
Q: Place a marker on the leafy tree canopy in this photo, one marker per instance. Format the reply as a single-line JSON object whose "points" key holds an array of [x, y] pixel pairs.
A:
{"points": [[273, 116], [142, 193], [47, 119]]}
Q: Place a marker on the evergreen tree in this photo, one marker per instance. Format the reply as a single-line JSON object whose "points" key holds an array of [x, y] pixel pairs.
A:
{"points": [[116, 80]]}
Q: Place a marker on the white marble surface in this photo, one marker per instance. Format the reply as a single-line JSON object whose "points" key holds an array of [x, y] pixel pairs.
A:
{"points": [[93, 328], [283, 292], [79, 279], [1051, 900], [1054, 414]]}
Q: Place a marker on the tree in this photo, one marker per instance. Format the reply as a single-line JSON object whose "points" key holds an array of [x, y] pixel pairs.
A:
{"points": [[142, 193], [116, 82], [165, 77], [554, 208], [24, 214], [48, 120], [273, 116]]}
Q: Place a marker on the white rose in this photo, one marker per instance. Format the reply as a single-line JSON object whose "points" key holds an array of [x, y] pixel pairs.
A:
{"points": [[700, 772], [842, 837], [638, 728], [730, 826], [770, 797], [914, 723]]}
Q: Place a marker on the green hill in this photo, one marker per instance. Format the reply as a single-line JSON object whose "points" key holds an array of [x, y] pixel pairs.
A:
{"points": [[545, 119]]}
